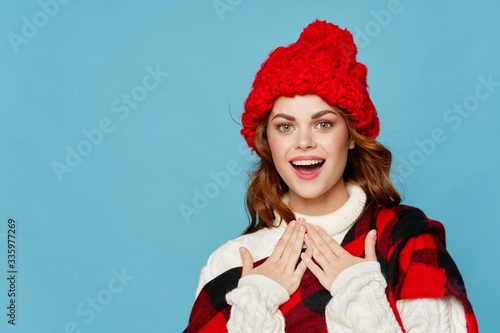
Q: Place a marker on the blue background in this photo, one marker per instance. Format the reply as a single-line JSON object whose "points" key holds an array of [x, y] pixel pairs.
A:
{"points": [[118, 210]]}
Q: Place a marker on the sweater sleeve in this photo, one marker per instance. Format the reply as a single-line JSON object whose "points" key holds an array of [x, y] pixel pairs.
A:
{"points": [[359, 303], [433, 315], [254, 306], [254, 302]]}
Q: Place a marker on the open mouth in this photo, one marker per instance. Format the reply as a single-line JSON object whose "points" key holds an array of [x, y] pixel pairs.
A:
{"points": [[307, 167]]}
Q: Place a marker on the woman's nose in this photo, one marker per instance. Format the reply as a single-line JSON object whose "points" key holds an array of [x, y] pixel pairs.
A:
{"points": [[305, 140]]}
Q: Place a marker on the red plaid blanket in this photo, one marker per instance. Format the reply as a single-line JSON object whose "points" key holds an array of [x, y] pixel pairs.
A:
{"points": [[411, 250]]}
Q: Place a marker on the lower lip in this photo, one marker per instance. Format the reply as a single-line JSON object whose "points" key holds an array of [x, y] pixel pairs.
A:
{"points": [[307, 176]]}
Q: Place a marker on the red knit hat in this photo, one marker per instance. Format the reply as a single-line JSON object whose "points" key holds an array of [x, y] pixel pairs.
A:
{"points": [[321, 62]]}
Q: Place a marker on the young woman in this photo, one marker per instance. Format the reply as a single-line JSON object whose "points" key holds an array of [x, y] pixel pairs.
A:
{"points": [[329, 247]]}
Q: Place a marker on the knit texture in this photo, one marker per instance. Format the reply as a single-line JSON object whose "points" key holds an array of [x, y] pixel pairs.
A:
{"points": [[321, 62], [412, 255]]}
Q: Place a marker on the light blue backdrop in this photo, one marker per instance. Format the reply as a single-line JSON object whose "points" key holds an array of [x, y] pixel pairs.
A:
{"points": [[123, 170]]}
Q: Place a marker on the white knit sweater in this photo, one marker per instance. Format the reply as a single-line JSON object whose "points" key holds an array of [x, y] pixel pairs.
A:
{"points": [[359, 302]]}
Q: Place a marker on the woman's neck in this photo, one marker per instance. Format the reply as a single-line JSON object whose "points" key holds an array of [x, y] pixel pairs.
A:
{"points": [[338, 220], [324, 204]]}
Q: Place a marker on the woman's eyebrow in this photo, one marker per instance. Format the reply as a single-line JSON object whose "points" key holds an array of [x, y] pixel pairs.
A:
{"points": [[286, 116], [322, 113]]}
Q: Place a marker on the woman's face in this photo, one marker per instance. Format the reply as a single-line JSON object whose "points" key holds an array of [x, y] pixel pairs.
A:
{"points": [[309, 143]]}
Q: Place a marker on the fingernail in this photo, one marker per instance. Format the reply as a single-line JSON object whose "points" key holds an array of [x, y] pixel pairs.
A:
{"points": [[373, 234], [242, 250]]}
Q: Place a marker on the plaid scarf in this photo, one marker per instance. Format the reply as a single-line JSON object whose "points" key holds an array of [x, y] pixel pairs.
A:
{"points": [[411, 250]]}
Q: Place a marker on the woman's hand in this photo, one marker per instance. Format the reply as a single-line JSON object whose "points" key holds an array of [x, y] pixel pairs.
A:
{"points": [[331, 258], [281, 266]]}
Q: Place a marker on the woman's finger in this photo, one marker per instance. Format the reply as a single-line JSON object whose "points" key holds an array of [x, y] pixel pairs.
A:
{"points": [[292, 253], [300, 270], [323, 252], [370, 241], [308, 261], [332, 244], [283, 241], [247, 261]]}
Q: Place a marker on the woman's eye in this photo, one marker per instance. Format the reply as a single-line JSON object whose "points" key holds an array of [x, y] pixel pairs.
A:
{"points": [[285, 127], [324, 125]]}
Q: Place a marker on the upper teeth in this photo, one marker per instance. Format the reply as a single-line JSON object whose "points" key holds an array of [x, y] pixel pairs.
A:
{"points": [[306, 162]]}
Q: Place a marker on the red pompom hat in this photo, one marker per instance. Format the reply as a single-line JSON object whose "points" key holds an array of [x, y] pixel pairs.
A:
{"points": [[321, 62]]}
